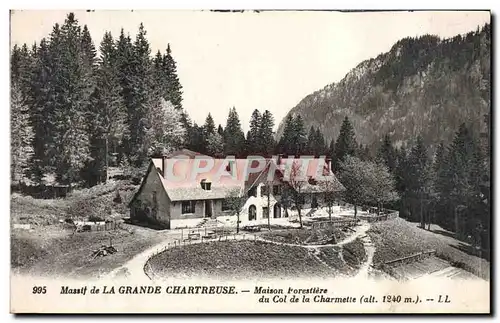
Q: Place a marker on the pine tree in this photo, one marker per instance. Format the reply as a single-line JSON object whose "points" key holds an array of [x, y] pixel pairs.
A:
{"points": [[401, 175], [196, 141], [234, 139], [40, 103], [72, 89], [464, 172], [220, 130], [20, 68], [187, 124], [89, 52], [21, 74], [141, 97], [209, 126], [331, 149], [215, 145], [286, 142], [419, 179], [159, 77], [346, 144], [311, 142], [299, 135], [174, 87], [320, 143], [386, 153], [108, 110], [266, 134], [15, 64], [125, 64], [440, 181], [253, 141], [21, 135]]}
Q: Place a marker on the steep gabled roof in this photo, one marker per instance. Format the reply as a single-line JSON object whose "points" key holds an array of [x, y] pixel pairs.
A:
{"points": [[182, 180]]}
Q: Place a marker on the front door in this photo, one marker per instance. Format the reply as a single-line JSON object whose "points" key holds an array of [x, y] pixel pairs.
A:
{"points": [[277, 210], [314, 202], [208, 208], [252, 213]]}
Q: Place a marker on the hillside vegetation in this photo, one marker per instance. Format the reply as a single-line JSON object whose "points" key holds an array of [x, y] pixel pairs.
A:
{"points": [[423, 85]]}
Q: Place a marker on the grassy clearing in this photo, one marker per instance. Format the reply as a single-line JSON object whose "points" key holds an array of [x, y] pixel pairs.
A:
{"points": [[305, 235], [398, 238], [53, 250], [238, 260]]}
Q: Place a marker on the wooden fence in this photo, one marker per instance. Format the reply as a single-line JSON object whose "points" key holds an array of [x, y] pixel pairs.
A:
{"points": [[206, 232], [411, 258], [335, 223], [388, 266], [382, 217], [97, 226]]}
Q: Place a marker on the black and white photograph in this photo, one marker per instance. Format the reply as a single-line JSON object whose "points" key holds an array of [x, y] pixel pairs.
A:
{"points": [[182, 158]]}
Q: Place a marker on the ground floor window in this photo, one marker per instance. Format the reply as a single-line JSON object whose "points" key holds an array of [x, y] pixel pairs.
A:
{"points": [[252, 213], [188, 207], [265, 212], [225, 205], [314, 201], [277, 210]]}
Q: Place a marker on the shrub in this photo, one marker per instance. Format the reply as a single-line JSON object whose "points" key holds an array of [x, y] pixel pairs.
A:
{"points": [[91, 209]]}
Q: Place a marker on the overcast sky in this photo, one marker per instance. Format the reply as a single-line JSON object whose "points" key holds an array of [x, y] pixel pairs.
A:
{"points": [[268, 60]]}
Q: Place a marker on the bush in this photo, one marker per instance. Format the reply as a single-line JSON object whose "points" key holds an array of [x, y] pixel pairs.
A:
{"points": [[93, 210], [134, 174]]}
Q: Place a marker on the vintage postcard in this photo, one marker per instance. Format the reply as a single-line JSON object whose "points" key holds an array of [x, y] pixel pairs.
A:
{"points": [[250, 161]]}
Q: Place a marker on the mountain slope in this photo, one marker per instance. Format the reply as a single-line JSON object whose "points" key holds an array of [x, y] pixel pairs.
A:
{"points": [[423, 85]]}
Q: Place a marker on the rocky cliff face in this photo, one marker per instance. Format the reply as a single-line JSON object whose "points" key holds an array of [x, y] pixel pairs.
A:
{"points": [[423, 85]]}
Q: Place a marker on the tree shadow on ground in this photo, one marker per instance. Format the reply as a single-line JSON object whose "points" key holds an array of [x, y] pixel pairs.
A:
{"points": [[145, 224]]}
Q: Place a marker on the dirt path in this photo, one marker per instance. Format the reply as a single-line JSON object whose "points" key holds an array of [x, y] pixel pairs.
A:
{"points": [[135, 266], [364, 270]]}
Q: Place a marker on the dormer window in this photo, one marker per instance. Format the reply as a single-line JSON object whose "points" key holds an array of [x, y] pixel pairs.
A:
{"points": [[206, 185]]}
